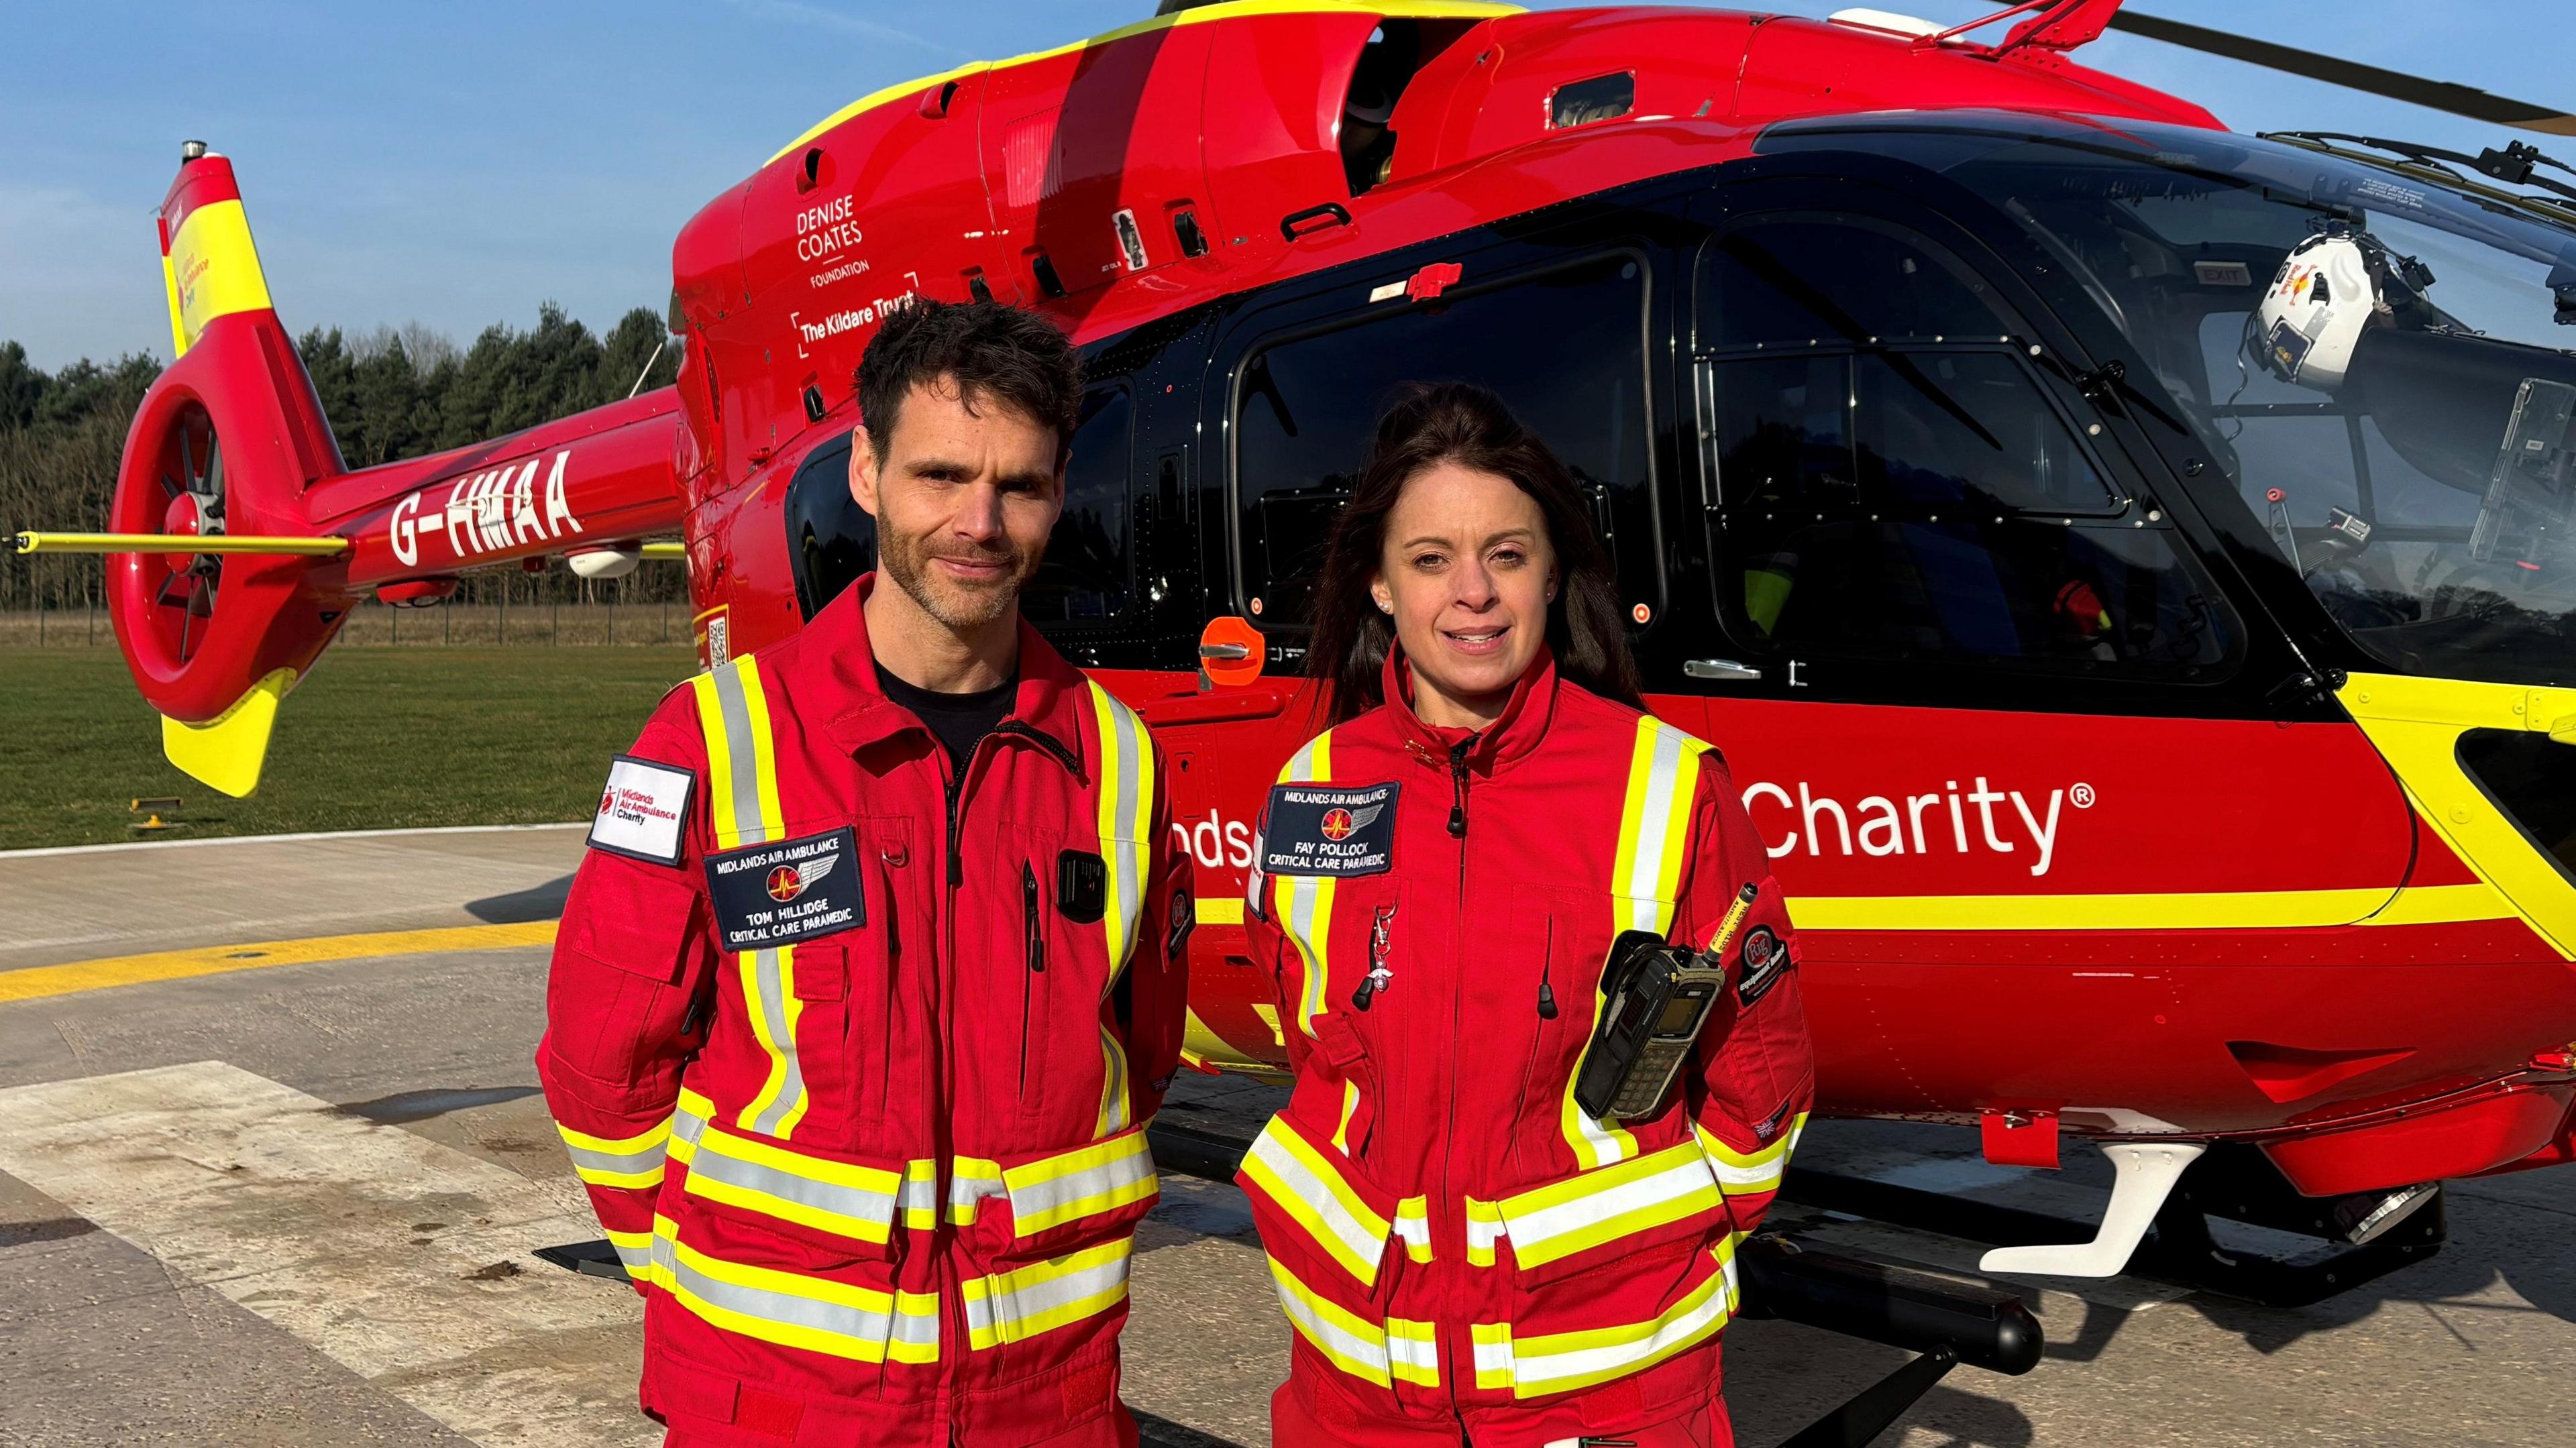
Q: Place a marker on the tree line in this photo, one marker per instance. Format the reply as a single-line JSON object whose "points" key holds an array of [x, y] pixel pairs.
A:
{"points": [[389, 393]]}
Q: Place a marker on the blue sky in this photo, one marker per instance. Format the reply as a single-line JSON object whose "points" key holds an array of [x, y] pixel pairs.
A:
{"points": [[455, 164]]}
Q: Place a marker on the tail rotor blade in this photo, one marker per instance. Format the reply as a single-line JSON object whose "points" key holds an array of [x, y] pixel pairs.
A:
{"points": [[2458, 100]]}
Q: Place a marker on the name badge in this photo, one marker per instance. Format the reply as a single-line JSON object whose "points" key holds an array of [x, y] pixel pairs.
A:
{"points": [[1325, 829], [780, 893]]}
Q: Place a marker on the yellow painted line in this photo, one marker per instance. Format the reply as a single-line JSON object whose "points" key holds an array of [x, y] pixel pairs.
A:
{"points": [[1223, 910], [36, 982], [2231, 910]]}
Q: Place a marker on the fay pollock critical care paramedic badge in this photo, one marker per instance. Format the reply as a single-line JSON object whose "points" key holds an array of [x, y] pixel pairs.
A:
{"points": [[786, 891], [1323, 829], [642, 809]]}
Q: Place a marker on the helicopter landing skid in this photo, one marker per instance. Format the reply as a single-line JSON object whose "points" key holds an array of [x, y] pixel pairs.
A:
{"points": [[2232, 1183]]}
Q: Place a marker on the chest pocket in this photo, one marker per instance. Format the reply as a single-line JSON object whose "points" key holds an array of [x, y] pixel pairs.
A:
{"points": [[856, 1031]]}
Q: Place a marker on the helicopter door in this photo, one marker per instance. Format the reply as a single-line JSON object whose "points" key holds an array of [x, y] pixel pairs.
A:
{"points": [[1988, 706]]}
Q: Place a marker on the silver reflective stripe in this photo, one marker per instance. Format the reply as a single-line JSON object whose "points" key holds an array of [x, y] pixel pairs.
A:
{"points": [[1104, 1186], [866, 1331], [688, 1126], [723, 1161], [591, 1163], [1017, 1306], [1646, 872], [748, 821], [975, 1180], [769, 978], [1132, 758], [635, 1253]]}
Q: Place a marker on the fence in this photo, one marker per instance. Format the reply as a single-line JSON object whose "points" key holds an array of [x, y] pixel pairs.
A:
{"points": [[503, 610]]}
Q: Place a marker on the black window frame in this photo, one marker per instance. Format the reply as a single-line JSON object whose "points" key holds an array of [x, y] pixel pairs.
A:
{"points": [[835, 446]]}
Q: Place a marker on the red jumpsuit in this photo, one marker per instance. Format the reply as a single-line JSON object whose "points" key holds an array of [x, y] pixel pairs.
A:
{"points": [[1459, 1247], [854, 1050]]}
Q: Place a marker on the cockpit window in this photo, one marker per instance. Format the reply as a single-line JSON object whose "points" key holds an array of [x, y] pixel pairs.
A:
{"points": [[2384, 366]]}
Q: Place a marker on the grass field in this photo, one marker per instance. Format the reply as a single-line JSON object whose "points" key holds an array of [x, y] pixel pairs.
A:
{"points": [[373, 740]]}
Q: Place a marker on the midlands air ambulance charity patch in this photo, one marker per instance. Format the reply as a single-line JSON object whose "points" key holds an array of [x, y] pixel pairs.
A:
{"points": [[1326, 829], [780, 893], [642, 810]]}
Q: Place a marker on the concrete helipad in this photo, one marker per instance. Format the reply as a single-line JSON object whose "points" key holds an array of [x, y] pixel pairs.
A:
{"points": [[272, 1163]]}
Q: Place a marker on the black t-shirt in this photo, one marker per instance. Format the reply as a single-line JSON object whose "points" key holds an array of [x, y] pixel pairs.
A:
{"points": [[960, 720]]}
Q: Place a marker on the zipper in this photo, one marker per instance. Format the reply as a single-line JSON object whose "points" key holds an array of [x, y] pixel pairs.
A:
{"points": [[1458, 794], [1032, 926], [1029, 918], [956, 851]]}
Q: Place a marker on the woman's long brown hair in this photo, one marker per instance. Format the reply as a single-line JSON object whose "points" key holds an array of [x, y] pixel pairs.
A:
{"points": [[1460, 423]]}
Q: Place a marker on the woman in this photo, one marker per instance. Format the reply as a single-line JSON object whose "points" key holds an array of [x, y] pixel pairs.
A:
{"points": [[1463, 1251]]}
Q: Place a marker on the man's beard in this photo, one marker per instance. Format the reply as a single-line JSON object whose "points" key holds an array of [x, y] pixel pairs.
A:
{"points": [[907, 560]]}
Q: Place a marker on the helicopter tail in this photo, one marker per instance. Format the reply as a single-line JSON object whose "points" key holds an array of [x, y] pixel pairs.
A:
{"points": [[223, 445]]}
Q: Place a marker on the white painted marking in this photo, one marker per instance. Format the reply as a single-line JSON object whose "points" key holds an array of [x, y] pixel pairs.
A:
{"points": [[281, 839], [307, 1218]]}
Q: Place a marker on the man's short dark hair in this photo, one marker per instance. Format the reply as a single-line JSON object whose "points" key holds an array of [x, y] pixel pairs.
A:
{"points": [[991, 352]]}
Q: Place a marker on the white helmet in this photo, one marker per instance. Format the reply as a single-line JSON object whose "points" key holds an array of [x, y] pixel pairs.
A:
{"points": [[2325, 294]]}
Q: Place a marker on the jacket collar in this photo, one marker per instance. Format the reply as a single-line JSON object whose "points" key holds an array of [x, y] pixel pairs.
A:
{"points": [[1517, 731], [833, 651]]}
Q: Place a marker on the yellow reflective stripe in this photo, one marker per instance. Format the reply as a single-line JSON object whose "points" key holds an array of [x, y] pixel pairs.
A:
{"points": [[1347, 1341], [742, 776], [1645, 885], [1112, 1116], [1561, 1362], [634, 1253], [1493, 1343], [829, 1196], [1600, 1207], [1413, 1351], [1484, 1229], [1747, 1173], [795, 1310], [215, 269], [1125, 786], [631, 1161], [1303, 905], [1303, 1183], [1350, 1108], [1086, 1182], [1413, 1224], [688, 1124], [1018, 1305], [921, 1194], [971, 1179]]}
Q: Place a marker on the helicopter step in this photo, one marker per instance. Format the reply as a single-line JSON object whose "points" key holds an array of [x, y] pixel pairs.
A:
{"points": [[2276, 1247]]}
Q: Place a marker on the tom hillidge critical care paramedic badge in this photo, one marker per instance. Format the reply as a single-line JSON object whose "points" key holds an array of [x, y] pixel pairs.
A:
{"points": [[1325, 829], [786, 891], [642, 809]]}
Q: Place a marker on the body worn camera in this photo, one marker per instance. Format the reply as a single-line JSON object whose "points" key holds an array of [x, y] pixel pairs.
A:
{"points": [[1655, 1000]]}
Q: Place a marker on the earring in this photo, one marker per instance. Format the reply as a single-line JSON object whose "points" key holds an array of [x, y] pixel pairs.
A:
{"points": [[1385, 607]]}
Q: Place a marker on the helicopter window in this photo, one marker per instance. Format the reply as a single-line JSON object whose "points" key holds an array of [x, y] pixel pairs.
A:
{"points": [[1934, 504], [830, 539], [1804, 282], [2404, 442], [1086, 574], [1894, 481], [1565, 348]]}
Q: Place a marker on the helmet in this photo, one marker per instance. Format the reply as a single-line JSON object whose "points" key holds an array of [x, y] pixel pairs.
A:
{"points": [[2326, 293]]}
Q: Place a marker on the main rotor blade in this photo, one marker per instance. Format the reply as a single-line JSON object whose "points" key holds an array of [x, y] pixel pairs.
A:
{"points": [[2459, 100]]}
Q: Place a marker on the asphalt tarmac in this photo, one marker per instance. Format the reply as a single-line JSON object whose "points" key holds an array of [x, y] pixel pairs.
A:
{"points": [[273, 1163]]}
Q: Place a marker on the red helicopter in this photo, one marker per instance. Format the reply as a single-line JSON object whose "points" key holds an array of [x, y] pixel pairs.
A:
{"points": [[2130, 566]]}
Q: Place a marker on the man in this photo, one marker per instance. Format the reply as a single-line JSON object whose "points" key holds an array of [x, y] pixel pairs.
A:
{"points": [[872, 974]]}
